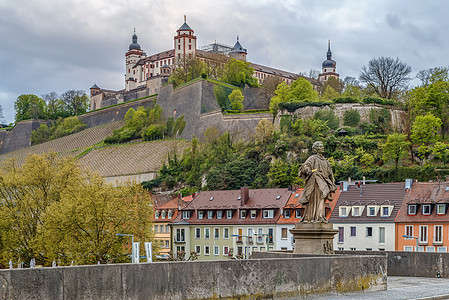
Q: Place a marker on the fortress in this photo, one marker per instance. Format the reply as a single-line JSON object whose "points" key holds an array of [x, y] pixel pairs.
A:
{"points": [[146, 74]]}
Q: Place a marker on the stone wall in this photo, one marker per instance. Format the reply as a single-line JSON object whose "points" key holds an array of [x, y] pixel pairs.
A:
{"points": [[20, 136], [234, 279], [414, 264], [398, 116]]}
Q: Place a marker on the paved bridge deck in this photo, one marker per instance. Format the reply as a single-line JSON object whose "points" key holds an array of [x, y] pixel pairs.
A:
{"points": [[421, 288]]}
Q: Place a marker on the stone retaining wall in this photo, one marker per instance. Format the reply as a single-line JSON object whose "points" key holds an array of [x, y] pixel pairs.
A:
{"points": [[229, 279]]}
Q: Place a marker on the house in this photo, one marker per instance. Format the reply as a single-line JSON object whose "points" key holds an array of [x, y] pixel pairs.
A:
{"points": [[165, 212], [291, 214], [221, 224], [424, 218], [365, 214]]}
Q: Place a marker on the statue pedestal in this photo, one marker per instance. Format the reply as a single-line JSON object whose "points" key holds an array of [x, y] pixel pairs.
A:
{"points": [[314, 238]]}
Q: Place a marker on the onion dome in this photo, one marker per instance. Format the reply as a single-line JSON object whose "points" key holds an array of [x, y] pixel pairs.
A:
{"points": [[134, 45], [329, 62]]}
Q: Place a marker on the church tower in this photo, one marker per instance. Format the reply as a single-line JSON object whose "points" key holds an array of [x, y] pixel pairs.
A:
{"points": [[185, 41], [134, 54], [329, 67], [238, 52]]}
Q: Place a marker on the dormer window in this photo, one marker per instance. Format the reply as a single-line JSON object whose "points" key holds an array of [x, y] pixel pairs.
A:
{"points": [[229, 214], [371, 211], [242, 214], [219, 214], [411, 209], [186, 214], [426, 209], [268, 214], [200, 214], [253, 214], [287, 213], [386, 210], [344, 211], [163, 214], [210, 214], [441, 209], [298, 214], [356, 211], [156, 215], [170, 214]]}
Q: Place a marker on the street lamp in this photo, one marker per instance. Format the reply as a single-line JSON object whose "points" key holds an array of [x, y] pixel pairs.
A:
{"points": [[412, 237], [132, 244]]}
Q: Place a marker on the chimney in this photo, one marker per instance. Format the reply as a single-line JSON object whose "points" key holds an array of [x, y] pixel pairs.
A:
{"points": [[179, 201], [364, 180], [244, 195]]}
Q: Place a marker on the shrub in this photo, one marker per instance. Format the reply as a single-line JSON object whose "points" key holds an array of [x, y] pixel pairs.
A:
{"points": [[351, 118], [155, 131]]}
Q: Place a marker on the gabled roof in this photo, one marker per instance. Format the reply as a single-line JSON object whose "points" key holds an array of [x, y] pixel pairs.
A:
{"points": [[425, 193], [370, 194]]}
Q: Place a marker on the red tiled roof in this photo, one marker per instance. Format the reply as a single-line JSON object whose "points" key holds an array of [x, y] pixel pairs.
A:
{"points": [[425, 193], [370, 194], [259, 199]]}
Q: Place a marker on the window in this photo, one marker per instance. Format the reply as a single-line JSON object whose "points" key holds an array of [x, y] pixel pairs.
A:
{"points": [[284, 233], [262, 248], [298, 214], [163, 214], [287, 213], [441, 209], [369, 231], [430, 249], [341, 248], [239, 237], [259, 235], [356, 211], [268, 214], [170, 214], [423, 233], [180, 235], [438, 234], [216, 250], [198, 250], [408, 248], [225, 250], [190, 47], [411, 209], [353, 231], [200, 214], [216, 233], [426, 209], [385, 211], [343, 212], [369, 249], [156, 215], [408, 231], [180, 248], [441, 249], [229, 214], [381, 235], [167, 228], [341, 234], [242, 214], [210, 214], [250, 235], [270, 235], [253, 214], [186, 214], [206, 233], [371, 211], [206, 250], [197, 233], [167, 244], [352, 249], [226, 233], [219, 214]]}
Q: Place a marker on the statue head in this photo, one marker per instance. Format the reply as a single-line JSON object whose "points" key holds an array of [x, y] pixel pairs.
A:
{"points": [[318, 147]]}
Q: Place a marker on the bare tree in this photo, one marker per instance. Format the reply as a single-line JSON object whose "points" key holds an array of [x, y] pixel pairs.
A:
{"points": [[386, 76]]}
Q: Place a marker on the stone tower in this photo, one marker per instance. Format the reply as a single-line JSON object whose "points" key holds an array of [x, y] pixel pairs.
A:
{"points": [[185, 42], [238, 52], [329, 66], [133, 74]]}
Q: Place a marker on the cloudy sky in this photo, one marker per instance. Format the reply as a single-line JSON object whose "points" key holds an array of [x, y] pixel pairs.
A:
{"points": [[49, 45]]}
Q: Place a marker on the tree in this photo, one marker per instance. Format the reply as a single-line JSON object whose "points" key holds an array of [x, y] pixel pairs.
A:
{"points": [[29, 107], [329, 93], [50, 208], [425, 132], [386, 76], [236, 98], [395, 148], [186, 69], [281, 94], [54, 106], [301, 90], [432, 75], [351, 118], [336, 84], [264, 132], [239, 73], [269, 86], [75, 102]]}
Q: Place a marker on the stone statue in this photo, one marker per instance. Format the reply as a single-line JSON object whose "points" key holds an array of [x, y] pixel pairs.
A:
{"points": [[319, 185]]}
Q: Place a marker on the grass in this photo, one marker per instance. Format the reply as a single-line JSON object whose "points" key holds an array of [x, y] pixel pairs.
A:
{"points": [[117, 104]]}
